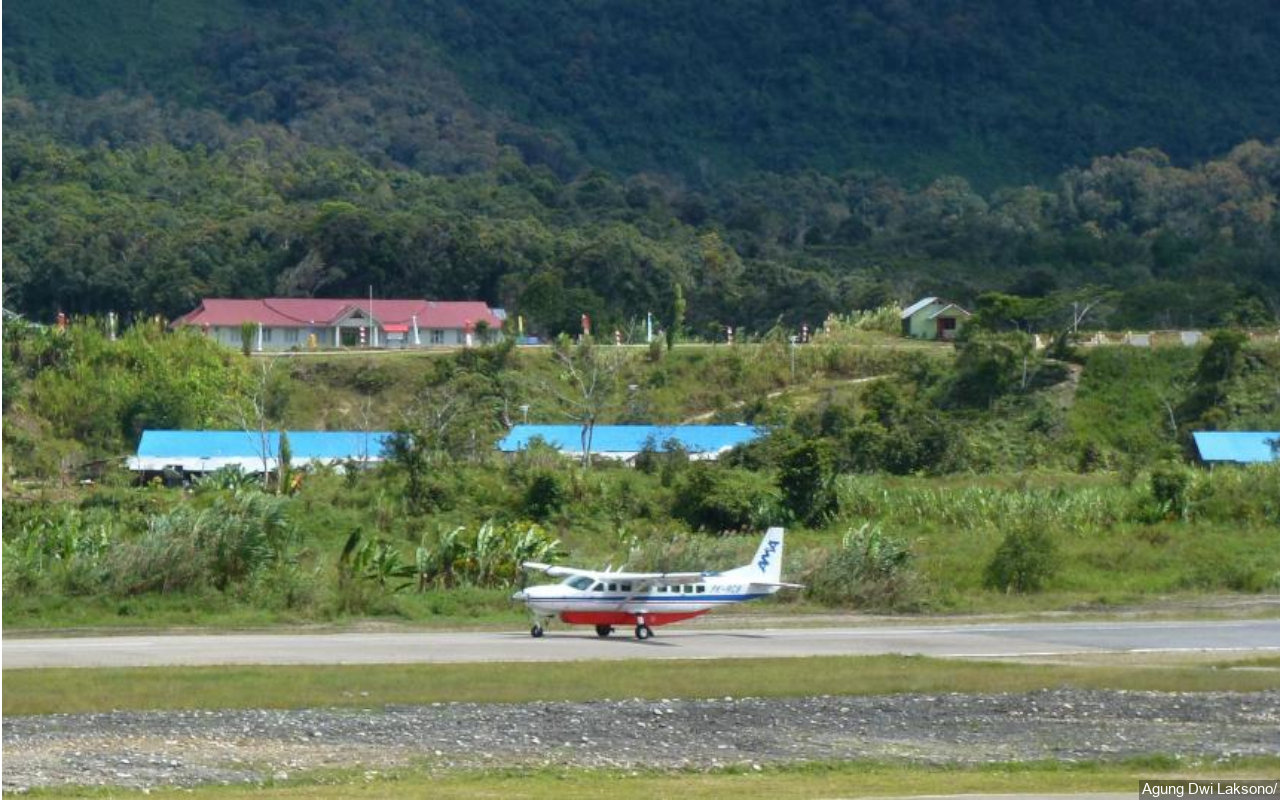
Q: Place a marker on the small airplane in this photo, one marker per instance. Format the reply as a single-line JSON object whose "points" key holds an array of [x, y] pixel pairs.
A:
{"points": [[648, 599]]}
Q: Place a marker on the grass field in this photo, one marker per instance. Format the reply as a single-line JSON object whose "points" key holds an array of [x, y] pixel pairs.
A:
{"points": [[844, 779], [48, 691]]}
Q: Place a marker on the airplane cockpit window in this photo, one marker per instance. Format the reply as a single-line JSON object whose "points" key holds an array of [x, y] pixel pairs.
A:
{"points": [[599, 587], [579, 582]]}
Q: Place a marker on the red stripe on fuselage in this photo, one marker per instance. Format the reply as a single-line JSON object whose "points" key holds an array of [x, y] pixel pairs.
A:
{"points": [[620, 618]]}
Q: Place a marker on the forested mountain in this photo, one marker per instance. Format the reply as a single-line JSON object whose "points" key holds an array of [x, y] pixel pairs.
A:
{"points": [[775, 160]]}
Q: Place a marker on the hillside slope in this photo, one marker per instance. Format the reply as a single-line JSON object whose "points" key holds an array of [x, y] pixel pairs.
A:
{"points": [[997, 93]]}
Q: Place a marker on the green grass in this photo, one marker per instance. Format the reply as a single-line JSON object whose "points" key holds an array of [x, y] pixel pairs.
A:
{"points": [[465, 607], [47, 691], [1263, 662], [835, 779]]}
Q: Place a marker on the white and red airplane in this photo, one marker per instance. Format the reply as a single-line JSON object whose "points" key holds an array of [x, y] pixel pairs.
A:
{"points": [[649, 599]]}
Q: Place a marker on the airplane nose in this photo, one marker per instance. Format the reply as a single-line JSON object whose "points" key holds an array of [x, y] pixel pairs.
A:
{"points": [[518, 595]]}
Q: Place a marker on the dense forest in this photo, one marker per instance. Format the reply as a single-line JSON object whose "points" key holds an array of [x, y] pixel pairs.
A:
{"points": [[771, 162]]}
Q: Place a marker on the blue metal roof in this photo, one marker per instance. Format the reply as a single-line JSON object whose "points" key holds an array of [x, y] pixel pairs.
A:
{"points": [[631, 438], [248, 444], [1244, 447]]}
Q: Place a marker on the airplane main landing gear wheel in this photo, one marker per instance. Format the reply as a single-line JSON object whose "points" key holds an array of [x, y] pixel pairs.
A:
{"points": [[603, 630], [643, 632], [536, 631]]}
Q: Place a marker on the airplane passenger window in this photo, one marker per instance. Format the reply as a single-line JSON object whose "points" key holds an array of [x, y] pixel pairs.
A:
{"points": [[626, 587], [613, 587], [701, 589], [688, 589]]}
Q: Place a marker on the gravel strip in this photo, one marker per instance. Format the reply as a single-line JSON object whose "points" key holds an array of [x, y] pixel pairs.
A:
{"points": [[184, 748]]}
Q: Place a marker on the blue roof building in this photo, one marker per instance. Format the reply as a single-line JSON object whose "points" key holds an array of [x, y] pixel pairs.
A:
{"points": [[624, 442], [206, 451], [1238, 447]]}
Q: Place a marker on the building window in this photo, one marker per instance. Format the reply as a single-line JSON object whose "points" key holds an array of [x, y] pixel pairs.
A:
{"points": [[437, 337], [266, 334], [291, 336]]}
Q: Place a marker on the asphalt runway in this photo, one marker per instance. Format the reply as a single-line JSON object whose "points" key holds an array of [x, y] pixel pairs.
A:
{"points": [[564, 643]]}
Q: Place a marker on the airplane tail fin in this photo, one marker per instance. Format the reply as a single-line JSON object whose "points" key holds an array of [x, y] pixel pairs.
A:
{"points": [[766, 566]]}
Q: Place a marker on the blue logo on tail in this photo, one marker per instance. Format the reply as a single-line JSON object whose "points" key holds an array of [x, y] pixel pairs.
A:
{"points": [[769, 550]]}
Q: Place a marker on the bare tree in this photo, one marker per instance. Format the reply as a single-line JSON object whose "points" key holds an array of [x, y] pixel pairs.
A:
{"points": [[307, 277], [255, 411], [589, 386], [432, 431]]}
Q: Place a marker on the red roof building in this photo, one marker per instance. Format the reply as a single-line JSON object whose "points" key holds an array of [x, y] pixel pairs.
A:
{"points": [[287, 323]]}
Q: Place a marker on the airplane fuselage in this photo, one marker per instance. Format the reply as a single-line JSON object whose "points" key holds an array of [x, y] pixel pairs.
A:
{"points": [[581, 600]]}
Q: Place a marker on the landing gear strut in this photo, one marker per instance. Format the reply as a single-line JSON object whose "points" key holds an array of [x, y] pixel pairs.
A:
{"points": [[603, 630]]}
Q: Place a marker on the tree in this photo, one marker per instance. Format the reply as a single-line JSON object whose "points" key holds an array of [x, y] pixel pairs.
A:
{"points": [[260, 406], [991, 365], [805, 479], [677, 317], [284, 465], [431, 432], [1222, 363], [996, 311], [588, 385], [1025, 559], [309, 276], [247, 330]]}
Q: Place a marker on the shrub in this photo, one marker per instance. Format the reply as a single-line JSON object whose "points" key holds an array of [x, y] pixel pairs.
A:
{"points": [[669, 461], [544, 495], [868, 570], [217, 546], [683, 552], [1170, 485], [1248, 493], [60, 548], [1024, 561], [806, 480], [490, 558], [722, 499]]}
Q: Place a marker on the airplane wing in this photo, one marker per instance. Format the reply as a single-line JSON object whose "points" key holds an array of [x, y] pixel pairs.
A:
{"points": [[644, 578], [554, 571]]}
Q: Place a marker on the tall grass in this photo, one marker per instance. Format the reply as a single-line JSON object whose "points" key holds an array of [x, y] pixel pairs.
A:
{"points": [[971, 507]]}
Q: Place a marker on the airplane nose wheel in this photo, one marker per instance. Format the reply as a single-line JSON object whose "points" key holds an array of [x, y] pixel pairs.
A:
{"points": [[643, 632], [603, 630], [536, 631]]}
